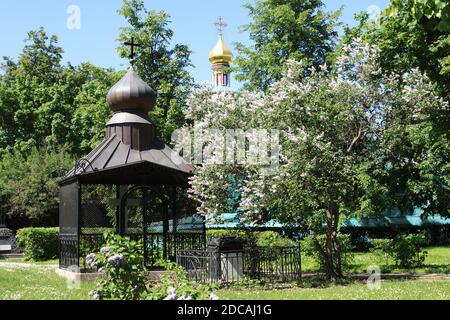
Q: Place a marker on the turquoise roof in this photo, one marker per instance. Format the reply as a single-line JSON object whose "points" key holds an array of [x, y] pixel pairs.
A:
{"points": [[398, 220], [391, 219], [231, 221]]}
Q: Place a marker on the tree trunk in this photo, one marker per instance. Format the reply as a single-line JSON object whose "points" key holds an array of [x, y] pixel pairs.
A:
{"points": [[333, 265]]}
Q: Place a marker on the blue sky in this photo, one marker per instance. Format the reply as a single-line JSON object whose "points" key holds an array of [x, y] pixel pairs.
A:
{"points": [[95, 41]]}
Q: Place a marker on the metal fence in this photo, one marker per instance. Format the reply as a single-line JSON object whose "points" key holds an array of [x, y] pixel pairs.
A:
{"points": [[87, 212], [263, 263]]}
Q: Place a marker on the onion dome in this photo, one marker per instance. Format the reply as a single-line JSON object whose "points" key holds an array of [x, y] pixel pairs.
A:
{"points": [[220, 54], [131, 93]]}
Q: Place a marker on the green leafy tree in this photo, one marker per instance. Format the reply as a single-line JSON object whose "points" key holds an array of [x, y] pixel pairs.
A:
{"points": [[430, 23], [162, 65], [414, 151], [281, 30], [435, 13], [29, 99], [45, 103], [29, 184], [410, 34], [414, 34], [91, 112]]}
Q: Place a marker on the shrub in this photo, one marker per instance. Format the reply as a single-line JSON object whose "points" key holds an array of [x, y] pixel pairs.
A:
{"points": [[273, 239], [122, 265], [347, 257], [216, 233], [260, 238], [174, 284], [406, 250], [39, 243], [125, 278]]}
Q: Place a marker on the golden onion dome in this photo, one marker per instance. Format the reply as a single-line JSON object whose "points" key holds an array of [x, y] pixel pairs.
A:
{"points": [[220, 54]]}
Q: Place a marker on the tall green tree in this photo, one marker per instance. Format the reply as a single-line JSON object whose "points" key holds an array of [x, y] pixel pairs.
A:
{"points": [[91, 112], [411, 34], [414, 34], [163, 65], [43, 103], [29, 99], [281, 30], [431, 20]]}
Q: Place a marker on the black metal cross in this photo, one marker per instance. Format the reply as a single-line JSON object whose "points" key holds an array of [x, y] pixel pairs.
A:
{"points": [[132, 44], [220, 24]]}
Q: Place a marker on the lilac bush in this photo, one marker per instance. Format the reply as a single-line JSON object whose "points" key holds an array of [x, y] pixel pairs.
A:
{"points": [[174, 284], [121, 263], [124, 275]]}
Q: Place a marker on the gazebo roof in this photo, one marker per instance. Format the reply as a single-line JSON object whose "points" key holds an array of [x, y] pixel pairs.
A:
{"points": [[114, 162]]}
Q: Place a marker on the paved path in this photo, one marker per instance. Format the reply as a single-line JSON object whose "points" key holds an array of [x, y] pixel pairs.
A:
{"points": [[391, 276], [18, 265]]}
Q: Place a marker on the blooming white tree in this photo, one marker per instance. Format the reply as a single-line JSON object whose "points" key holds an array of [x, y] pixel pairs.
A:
{"points": [[333, 126]]}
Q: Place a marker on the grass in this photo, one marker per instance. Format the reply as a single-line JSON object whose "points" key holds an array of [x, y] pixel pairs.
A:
{"points": [[26, 280], [437, 261], [38, 282], [389, 290]]}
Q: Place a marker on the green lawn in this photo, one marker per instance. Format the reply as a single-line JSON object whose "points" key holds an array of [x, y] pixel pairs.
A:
{"points": [[42, 283], [38, 281], [437, 261], [389, 290]]}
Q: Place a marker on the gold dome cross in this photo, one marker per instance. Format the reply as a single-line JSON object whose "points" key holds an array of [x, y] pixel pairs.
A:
{"points": [[220, 24]]}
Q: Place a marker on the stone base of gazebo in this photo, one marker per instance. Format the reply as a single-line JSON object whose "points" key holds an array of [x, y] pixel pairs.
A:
{"points": [[77, 276], [11, 256]]}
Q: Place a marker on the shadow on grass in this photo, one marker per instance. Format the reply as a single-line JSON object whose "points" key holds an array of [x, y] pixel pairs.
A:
{"points": [[424, 269], [320, 282], [437, 268]]}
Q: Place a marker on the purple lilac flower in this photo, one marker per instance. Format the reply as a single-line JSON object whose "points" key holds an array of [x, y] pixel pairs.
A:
{"points": [[185, 298], [91, 263], [90, 256], [101, 270], [116, 259], [105, 250]]}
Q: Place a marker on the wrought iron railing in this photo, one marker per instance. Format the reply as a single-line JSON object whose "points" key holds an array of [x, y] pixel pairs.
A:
{"points": [[68, 251], [263, 263]]}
